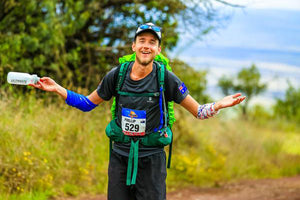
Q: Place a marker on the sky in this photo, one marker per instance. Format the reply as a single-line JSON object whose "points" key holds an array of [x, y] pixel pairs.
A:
{"points": [[269, 4], [265, 33]]}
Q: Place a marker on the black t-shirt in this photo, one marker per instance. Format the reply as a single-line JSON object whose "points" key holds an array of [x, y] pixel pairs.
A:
{"points": [[175, 90]]}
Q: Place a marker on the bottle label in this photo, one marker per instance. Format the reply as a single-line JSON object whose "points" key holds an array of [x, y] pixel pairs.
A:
{"points": [[17, 81]]}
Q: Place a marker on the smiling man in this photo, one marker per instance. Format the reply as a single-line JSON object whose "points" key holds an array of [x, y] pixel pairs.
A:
{"points": [[141, 129]]}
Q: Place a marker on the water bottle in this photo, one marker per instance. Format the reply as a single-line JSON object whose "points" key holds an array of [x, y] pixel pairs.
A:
{"points": [[19, 78]]}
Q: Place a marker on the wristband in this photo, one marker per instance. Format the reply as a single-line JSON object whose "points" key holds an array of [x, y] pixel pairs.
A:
{"points": [[79, 101], [207, 110]]}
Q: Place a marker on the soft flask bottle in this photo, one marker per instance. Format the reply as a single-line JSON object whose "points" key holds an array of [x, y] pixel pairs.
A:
{"points": [[19, 78]]}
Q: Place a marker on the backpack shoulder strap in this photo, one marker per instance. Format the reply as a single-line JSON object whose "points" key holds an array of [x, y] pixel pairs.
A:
{"points": [[119, 79], [122, 75], [161, 77], [161, 74], [162, 102]]}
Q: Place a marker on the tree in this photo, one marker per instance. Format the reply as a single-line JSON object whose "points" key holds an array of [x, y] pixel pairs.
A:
{"points": [[194, 80], [79, 41], [226, 85], [289, 107], [247, 82]]}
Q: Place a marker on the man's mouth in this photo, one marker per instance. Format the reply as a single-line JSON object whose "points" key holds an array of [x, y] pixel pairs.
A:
{"points": [[145, 52]]}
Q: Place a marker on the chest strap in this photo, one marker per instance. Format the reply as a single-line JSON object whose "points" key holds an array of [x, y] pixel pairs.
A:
{"points": [[131, 94]]}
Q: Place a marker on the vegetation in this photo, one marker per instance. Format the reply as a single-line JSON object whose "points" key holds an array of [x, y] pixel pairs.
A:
{"points": [[77, 42], [247, 81], [195, 80], [220, 150], [49, 149], [289, 107]]}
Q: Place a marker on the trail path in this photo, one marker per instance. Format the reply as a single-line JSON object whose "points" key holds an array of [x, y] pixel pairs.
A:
{"points": [[263, 189]]}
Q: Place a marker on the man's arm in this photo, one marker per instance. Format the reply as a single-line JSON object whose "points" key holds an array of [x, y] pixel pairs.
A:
{"points": [[49, 85], [94, 97], [190, 104]]}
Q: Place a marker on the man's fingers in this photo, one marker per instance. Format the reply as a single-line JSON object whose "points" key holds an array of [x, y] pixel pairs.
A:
{"points": [[44, 78], [239, 100], [236, 95], [38, 85], [242, 99], [33, 85]]}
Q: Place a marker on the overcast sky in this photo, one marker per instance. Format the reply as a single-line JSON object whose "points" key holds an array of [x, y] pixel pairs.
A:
{"points": [[269, 4], [265, 32]]}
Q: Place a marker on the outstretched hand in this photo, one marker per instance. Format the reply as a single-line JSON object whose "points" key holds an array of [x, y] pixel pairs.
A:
{"points": [[46, 84], [229, 101]]}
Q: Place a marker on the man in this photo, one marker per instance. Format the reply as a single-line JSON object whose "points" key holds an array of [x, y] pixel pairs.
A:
{"points": [[148, 181]]}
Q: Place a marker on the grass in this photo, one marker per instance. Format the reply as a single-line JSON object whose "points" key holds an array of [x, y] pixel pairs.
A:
{"points": [[48, 149], [51, 147]]}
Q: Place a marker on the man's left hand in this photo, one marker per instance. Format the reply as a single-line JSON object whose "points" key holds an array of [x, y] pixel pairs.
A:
{"points": [[229, 101]]}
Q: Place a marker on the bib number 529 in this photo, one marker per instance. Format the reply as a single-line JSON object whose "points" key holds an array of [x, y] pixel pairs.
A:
{"points": [[132, 127]]}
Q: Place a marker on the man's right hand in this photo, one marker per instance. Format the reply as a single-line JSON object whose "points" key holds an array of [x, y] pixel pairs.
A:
{"points": [[46, 84], [49, 85]]}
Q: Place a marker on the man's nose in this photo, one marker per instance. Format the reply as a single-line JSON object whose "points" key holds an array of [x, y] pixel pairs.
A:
{"points": [[146, 45]]}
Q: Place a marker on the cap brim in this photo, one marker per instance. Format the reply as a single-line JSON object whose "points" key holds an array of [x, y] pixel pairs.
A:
{"points": [[148, 30]]}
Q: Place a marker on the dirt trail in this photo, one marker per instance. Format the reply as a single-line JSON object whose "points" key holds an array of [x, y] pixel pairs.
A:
{"points": [[266, 189], [263, 189]]}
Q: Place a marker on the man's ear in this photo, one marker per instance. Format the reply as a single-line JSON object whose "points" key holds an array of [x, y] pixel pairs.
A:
{"points": [[159, 49], [133, 46]]}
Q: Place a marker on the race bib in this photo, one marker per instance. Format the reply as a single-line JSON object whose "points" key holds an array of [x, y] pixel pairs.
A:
{"points": [[133, 122]]}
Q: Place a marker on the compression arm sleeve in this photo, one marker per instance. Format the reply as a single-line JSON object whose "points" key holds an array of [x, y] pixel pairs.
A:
{"points": [[79, 101]]}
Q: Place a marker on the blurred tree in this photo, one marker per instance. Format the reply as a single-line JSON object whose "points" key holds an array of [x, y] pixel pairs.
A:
{"points": [[226, 85], [77, 42], [289, 107], [246, 82], [194, 80], [31, 38]]}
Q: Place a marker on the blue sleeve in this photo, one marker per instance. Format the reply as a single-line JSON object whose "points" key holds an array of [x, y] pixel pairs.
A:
{"points": [[79, 101]]}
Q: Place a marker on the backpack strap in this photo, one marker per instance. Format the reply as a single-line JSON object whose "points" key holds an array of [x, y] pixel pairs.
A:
{"points": [[161, 76], [170, 154], [132, 166], [122, 74], [163, 107], [161, 82], [121, 77], [165, 114]]}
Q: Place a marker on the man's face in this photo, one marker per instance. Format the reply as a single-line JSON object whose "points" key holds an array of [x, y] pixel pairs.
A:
{"points": [[146, 46]]}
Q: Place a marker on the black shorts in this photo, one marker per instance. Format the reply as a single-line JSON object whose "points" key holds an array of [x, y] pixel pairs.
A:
{"points": [[150, 181]]}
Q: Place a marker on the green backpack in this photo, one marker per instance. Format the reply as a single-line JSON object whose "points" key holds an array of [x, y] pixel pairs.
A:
{"points": [[161, 136]]}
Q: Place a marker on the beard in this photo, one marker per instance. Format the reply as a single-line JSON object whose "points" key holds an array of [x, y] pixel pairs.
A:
{"points": [[144, 62]]}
